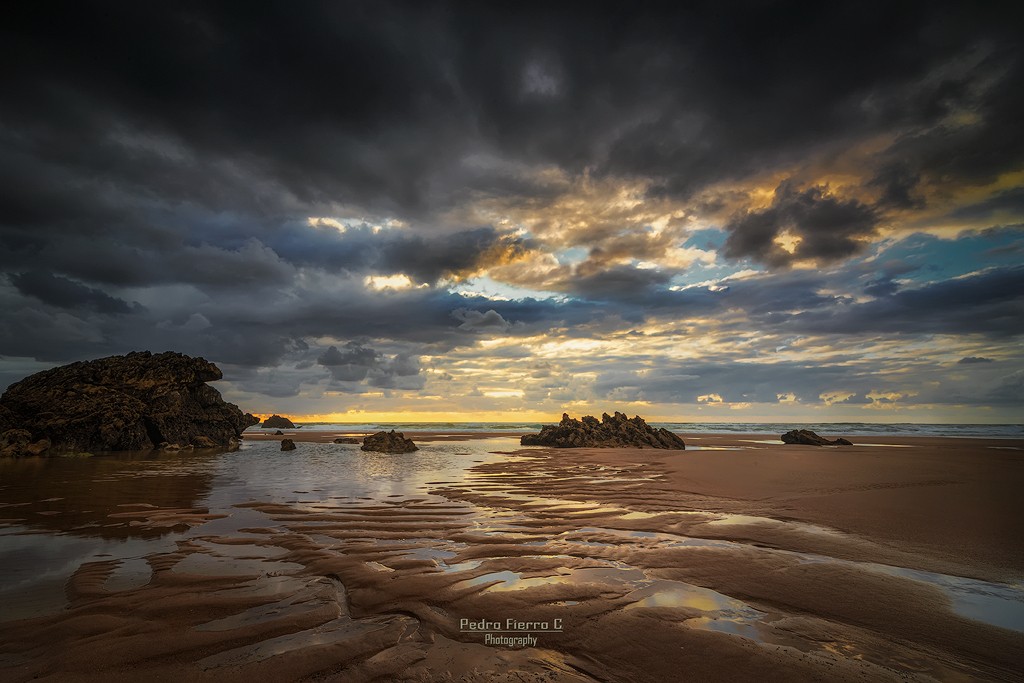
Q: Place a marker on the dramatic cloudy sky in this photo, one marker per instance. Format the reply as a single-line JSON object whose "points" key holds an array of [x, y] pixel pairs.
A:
{"points": [[480, 210]]}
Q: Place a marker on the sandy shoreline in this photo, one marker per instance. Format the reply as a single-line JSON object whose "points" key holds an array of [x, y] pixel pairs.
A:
{"points": [[766, 561]]}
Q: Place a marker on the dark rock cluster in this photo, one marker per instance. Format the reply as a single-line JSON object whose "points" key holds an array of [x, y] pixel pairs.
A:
{"points": [[617, 431], [278, 422], [134, 402], [389, 442], [287, 445], [806, 437], [347, 439]]}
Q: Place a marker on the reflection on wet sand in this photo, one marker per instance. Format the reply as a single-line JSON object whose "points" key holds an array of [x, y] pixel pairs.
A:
{"points": [[342, 565], [128, 495]]}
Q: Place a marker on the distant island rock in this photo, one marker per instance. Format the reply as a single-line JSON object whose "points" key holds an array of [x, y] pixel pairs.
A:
{"points": [[806, 437], [617, 431], [278, 422], [138, 401], [287, 445], [389, 442]]}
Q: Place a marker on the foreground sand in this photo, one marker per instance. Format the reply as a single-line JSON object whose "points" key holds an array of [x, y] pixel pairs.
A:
{"points": [[766, 563]]}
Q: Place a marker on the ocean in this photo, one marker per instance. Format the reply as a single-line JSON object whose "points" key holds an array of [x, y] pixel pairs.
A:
{"points": [[990, 431]]}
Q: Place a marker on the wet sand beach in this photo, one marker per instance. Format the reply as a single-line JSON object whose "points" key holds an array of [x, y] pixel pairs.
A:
{"points": [[896, 559]]}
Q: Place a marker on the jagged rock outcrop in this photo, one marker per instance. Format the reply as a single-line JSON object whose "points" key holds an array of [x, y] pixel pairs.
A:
{"points": [[287, 445], [131, 402], [278, 422], [617, 431], [347, 439], [389, 442], [806, 437]]}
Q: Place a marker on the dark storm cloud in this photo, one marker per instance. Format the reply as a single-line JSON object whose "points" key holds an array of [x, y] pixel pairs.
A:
{"points": [[64, 293], [424, 258], [622, 284], [475, 320], [990, 302], [1010, 389], [378, 104], [357, 362], [899, 187], [989, 93], [829, 228], [1011, 200]]}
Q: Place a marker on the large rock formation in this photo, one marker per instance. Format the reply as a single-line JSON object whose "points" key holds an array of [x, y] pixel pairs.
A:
{"points": [[616, 431], [389, 442], [278, 422], [808, 438], [131, 402]]}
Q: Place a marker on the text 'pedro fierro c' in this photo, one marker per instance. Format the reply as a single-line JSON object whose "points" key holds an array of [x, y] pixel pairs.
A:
{"points": [[511, 632]]}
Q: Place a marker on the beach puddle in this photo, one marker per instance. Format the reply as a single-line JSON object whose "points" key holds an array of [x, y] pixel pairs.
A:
{"points": [[639, 515], [512, 581], [683, 595], [130, 574], [466, 566], [734, 627], [719, 613], [991, 603], [377, 566], [37, 566], [216, 565]]}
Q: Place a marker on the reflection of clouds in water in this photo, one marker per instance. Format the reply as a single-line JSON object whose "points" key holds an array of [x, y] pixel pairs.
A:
{"points": [[260, 471], [76, 495], [36, 566], [87, 491]]}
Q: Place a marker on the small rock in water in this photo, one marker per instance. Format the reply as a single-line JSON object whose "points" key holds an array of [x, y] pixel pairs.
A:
{"points": [[806, 437], [389, 442], [278, 433], [287, 445], [347, 439]]}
